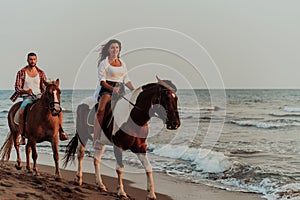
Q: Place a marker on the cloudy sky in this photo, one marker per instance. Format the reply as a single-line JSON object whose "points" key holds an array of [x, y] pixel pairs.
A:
{"points": [[199, 44]]}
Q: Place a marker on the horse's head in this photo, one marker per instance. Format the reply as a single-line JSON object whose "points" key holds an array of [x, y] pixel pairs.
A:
{"points": [[52, 95], [166, 102]]}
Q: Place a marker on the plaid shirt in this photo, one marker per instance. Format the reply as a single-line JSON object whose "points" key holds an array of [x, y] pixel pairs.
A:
{"points": [[20, 80]]}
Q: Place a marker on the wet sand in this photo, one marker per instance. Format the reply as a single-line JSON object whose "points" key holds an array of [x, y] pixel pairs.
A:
{"points": [[16, 184]]}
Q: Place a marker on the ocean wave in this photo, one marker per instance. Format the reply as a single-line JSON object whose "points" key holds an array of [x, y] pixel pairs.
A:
{"points": [[245, 151], [288, 191], [270, 188], [212, 108], [67, 111], [219, 169], [197, 109], [289, 109], [204, 160], [285, 114], [270, 124]]}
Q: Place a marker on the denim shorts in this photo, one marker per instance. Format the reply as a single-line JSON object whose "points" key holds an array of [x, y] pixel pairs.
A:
{"points": [[27, 100], [113, 84]]}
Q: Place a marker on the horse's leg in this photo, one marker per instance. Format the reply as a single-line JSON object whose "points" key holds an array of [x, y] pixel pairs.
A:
{"points": [[34, 158], [17, 147], [150, 184], [54, 144], [80, 155], [13, 137], [28, 149], [97, 159], [119, 170]]}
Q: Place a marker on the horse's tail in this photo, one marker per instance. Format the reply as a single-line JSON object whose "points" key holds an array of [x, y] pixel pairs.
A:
{"points": [[70, 151], [6, 147]]}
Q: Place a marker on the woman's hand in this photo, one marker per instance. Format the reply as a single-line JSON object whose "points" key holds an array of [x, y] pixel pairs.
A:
{"points": [[116, 90], [129, 85]]}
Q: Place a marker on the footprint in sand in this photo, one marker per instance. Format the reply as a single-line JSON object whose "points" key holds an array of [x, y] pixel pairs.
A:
{"points": [[22, 195], [6, 184]]}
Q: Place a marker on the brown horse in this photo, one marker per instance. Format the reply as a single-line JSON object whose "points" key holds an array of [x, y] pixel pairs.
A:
{"points": [[126, 129], [42, 124]]}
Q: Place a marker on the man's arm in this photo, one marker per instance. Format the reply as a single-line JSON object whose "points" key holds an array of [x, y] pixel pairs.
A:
{"points": [[19, 84], [43, 79]]}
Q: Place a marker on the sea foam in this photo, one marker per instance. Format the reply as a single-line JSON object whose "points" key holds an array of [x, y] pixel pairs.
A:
{"points": [[289, 109], [204, 159], [269, 124]]}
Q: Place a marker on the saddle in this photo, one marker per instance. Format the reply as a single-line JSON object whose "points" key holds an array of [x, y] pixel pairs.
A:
{"points": [[83, 137], [91, 115], [16, 118], [17, 115]]}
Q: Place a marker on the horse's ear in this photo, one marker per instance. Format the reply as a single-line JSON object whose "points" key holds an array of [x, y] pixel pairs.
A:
{"points": [[158, 79], [46, 83], [57, 82], [163, 83]]}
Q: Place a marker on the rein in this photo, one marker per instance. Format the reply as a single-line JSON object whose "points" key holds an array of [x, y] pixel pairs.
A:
{"points": [[135, 106], [158, 99], [138, 108]]}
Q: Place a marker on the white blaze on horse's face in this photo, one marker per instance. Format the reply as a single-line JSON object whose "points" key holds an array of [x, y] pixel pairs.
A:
{"points": [[56, 101], [173, 95]]}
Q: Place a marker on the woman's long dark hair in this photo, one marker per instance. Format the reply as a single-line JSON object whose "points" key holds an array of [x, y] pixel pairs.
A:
{"points": [[104, 49]]}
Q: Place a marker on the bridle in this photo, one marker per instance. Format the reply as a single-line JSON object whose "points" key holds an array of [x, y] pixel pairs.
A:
{"points": [[51, 106], [158, 100]]}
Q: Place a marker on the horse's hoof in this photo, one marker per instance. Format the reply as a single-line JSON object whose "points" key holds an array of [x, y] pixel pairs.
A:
{"points": [[123, 197], [151, 197], [78, 181], [58, 179], [18, 167], [102, 189], [36, 174]]}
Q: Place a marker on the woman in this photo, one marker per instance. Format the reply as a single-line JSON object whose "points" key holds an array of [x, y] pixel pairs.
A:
{"points": [[112, 74]]}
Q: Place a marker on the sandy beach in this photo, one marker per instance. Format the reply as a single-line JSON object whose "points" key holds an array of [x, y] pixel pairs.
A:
{"points": [[22, 185]]}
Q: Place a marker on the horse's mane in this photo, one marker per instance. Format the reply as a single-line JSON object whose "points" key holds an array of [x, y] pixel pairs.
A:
{"points": [[48, 84], [51, 82], [168, 82]]}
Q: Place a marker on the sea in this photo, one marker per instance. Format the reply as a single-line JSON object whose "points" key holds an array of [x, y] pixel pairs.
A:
{"points": [[256, 148]]}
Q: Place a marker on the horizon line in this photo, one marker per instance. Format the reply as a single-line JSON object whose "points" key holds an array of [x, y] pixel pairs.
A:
{"points": [[233, 88]]}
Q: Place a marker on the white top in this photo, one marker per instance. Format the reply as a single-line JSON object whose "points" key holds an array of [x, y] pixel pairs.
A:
{"points": [[107, 72], [32, 83]]}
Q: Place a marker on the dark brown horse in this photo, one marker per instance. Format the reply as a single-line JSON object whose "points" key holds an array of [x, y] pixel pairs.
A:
{"points": [[42, 124], [126, 128]]}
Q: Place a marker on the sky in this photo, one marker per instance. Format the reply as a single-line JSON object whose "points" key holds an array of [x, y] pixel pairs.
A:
{"points": [[195, 43]]}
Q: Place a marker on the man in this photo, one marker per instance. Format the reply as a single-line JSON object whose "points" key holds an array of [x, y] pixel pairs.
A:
{"points": [[30, 81]]}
